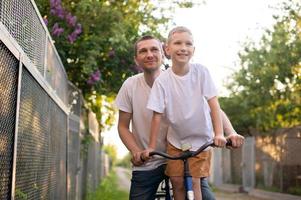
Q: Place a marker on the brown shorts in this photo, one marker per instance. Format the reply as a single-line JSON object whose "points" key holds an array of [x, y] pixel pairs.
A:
{"points": [[199, 166]]}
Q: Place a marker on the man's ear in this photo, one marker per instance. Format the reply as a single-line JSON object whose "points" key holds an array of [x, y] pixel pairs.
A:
{"points": [[135, 61]]}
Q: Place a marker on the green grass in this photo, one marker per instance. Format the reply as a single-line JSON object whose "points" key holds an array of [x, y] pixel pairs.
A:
{"points": [[108, 190]]}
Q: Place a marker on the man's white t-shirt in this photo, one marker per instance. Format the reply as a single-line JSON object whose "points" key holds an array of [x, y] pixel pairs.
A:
{"points": [[132, 98], [183, 99]]}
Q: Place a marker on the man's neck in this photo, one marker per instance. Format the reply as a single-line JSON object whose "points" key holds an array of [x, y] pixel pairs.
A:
{"points": [[180, 69], [150, 77]]}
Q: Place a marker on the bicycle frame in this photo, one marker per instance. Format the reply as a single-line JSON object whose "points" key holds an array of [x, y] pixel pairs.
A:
{"points": [[184, 157]]}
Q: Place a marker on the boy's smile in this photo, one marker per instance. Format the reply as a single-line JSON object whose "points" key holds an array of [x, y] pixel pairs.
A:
{"points": [[180, 48]]}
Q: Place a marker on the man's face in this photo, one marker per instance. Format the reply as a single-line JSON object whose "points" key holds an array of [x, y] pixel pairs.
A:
{"points": [[180, 48], [149, 55]]}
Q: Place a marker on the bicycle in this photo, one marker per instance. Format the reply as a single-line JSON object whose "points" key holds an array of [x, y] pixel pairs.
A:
{"points": [[187, 177]]}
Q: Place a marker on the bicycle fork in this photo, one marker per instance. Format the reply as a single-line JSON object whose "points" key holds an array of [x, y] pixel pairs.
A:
{"points": [[188, 181]]}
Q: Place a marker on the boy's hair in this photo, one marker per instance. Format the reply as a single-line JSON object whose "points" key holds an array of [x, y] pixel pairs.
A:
{"points": [[178, 29], [145, 37]]}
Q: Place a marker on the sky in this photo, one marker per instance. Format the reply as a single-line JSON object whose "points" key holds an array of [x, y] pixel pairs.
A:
{"points": [[219, 28]]}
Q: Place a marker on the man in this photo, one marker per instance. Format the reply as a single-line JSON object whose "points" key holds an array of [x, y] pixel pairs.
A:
{"points": [[131, 102]]}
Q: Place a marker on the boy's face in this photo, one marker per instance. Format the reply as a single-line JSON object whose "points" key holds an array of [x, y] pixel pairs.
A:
{"points": [[149, 55], [180, 48]]}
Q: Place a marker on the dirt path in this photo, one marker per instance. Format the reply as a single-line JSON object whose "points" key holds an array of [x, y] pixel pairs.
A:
{"points": [[124, 178], [233, 196]]}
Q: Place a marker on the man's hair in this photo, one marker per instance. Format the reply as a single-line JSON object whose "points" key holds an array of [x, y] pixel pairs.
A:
{"points": [[145, 37], [178, 29]]}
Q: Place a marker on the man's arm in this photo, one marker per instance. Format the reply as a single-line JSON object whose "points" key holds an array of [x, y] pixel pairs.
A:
{"points": [[236, 139], [127, 137]]}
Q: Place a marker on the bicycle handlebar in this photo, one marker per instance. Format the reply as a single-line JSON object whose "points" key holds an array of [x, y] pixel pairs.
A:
{"points": [[187, 154]]}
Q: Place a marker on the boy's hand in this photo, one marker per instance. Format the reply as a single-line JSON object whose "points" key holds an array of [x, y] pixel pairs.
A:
{"points": [[220, 141], [145, 154], [236, 139]]}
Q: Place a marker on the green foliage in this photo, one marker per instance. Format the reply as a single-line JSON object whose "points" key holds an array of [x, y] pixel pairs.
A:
{"points": [[85, 143], [266, 90], [295, 190], [111, 150], [21, 195], [101, 57], [125, 161], [108, 190]]}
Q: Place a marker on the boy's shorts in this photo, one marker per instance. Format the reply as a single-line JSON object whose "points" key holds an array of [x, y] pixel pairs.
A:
{"points": [[199, 166]]}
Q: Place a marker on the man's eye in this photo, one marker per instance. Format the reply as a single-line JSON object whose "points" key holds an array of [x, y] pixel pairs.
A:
{"points": [[142, 51]]}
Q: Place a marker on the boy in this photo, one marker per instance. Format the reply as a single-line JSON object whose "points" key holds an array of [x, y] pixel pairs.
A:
{"points": [[186, 94]]}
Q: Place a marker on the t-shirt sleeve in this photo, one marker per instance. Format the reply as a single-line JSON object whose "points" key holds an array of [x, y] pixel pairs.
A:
{"points": [[123, 100], [209, 88], [156, 98]]}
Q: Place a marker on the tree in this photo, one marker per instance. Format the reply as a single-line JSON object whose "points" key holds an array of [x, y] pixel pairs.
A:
{"points": [[266, 90], [94, 39]]}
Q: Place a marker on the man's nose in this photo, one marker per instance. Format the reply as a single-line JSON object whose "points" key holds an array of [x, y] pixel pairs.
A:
{"points": [[149, 54]]}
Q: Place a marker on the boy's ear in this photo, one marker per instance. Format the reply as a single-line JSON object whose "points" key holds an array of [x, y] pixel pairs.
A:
{"points": [[166, 51]]}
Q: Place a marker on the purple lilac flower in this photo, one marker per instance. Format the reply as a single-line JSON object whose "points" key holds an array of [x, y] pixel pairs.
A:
{"points": [[78, 30], [94, 77], [57, 9], [45, 20], [56, 30], [72, 37], [71, 20]]}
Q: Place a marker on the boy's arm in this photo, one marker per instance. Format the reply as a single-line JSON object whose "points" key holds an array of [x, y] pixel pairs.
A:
{"points": [[127, 137], [236, 139], [219, 139], [155, 127]]}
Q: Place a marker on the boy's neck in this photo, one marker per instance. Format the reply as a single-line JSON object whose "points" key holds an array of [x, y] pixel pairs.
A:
{"points": [[180, 69]]}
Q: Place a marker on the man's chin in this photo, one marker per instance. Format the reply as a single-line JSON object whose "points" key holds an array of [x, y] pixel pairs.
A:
{"points": [[150, 69]]}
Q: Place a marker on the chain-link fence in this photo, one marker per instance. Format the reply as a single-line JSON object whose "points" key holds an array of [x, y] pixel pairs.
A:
{"points": [[43, 126], [268, 162]]}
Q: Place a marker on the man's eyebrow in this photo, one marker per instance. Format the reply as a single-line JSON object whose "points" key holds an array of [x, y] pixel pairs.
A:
{"points": [[142, 49]]}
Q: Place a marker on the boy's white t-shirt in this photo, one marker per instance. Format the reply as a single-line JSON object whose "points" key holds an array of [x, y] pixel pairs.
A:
{"points": [[183, 99], [132, 98]]}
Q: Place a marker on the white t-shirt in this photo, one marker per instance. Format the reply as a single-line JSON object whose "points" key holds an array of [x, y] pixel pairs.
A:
{"points": [[132, 98], [184, 101]]}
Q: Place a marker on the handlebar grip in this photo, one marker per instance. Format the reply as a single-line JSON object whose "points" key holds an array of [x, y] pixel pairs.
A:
{"points": [[229, 142]]}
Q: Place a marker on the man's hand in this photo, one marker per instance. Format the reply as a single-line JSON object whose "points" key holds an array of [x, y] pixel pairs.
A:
{"points": [[236, 139], [136, 158], [220, 141], [145, 154]]}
